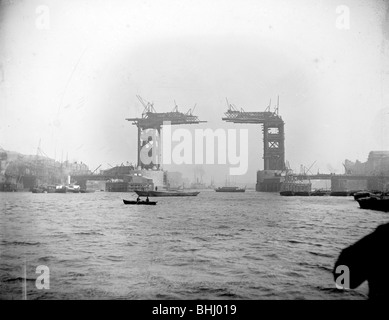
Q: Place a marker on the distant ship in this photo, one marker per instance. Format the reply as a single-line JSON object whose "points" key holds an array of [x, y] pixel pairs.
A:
{"points": [[230, 189]]}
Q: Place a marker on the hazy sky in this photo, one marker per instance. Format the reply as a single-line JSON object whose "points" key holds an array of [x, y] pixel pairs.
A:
{"points": [[70, 72]]}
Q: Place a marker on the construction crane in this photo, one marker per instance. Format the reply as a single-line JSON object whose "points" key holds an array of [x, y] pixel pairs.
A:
{"points": [[308, 170], [96, 169]]}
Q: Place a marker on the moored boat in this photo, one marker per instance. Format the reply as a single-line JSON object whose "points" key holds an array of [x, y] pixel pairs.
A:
{"points": [[60, 189], [302, 193], [288, 193], [340, 193], [73, 188], [320, 192], [143, 193], [380, 203]]}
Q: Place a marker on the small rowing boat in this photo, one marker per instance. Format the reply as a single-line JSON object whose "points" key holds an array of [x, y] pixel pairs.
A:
{"points": [[150, 203]]}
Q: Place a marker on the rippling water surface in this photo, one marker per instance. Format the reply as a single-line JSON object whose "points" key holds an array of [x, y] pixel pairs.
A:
{"points": [[214, 246]]}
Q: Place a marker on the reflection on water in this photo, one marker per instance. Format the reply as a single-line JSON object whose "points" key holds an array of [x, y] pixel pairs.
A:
{"points": [[213, 246]]}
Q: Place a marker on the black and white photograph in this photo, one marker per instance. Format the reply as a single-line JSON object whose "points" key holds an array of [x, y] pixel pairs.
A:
{"points": [[204, 151]]}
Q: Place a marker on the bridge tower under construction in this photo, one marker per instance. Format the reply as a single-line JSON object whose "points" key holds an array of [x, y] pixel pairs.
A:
{"points": [[149, 131], [273, 143]]}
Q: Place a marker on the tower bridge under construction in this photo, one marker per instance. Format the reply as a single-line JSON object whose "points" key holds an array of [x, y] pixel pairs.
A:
{"points": [[273, 136], [273, 142]]}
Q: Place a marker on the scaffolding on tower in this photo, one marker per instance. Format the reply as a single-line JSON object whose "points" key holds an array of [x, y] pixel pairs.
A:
{"points": [[273, 132], [153, 120]]}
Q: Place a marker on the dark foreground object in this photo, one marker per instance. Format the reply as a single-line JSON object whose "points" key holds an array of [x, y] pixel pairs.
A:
{"points": [[368, 259], [150, 203], [374, 203]]}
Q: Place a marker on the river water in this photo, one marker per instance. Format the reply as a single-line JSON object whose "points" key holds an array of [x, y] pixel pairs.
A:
{"points": [[214, 246]]}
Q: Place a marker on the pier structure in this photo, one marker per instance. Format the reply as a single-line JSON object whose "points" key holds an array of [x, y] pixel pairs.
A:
{"points": [[273, 142], [153, 121]]}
